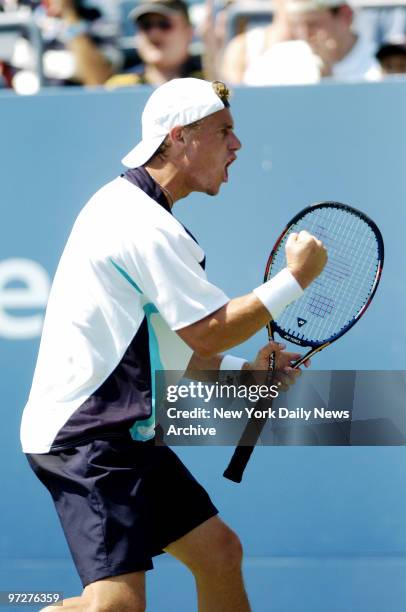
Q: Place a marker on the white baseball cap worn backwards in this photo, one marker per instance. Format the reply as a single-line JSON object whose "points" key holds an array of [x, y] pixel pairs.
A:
{"points": [[177, 102]]}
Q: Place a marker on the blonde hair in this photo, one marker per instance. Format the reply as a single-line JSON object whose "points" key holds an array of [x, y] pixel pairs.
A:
{"points": [[223, 92]]}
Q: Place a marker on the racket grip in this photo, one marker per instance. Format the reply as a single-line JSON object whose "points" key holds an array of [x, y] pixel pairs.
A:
{"points": [[238, 463]]}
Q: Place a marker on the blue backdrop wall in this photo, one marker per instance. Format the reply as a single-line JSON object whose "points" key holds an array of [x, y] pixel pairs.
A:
{"points": [[323, 528]]}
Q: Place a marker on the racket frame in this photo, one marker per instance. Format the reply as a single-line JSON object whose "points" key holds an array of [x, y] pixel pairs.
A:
{"points": [[316, 347], [242, 453]]}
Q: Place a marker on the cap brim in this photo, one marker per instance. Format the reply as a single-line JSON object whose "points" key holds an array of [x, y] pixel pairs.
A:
{"points": [[142, 152], [152, 7]]}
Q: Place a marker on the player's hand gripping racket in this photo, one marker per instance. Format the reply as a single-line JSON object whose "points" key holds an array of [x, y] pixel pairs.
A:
{"points": [[334, 301]]}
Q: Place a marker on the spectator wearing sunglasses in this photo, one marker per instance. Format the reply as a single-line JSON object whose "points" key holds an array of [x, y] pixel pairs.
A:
{"points": [[164, 35]]}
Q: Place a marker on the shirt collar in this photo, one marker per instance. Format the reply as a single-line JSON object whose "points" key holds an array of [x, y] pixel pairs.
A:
{"points": [[143, 180]]}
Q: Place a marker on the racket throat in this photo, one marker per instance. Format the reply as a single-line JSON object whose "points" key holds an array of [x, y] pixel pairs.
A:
{"points": [[301, 361]]}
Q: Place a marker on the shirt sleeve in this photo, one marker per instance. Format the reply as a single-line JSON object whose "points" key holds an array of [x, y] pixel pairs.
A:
{"points": [[166, 267]]}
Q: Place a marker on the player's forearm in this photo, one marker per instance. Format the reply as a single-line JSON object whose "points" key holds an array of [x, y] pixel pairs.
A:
{"points": [[232, 324], [199, 363], [203, 368], [242, 317]]}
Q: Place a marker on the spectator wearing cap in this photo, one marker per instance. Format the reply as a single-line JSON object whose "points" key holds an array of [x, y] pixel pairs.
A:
{"points": [[164, 35], [392, 56]]}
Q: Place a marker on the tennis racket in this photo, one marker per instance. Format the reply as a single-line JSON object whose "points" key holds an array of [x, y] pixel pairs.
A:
{"points": [[334, 301]]}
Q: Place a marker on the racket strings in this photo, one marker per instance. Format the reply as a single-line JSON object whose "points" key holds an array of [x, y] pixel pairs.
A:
{"points": [[355, 289], [345, 284], [364, 263], [337, 302]]}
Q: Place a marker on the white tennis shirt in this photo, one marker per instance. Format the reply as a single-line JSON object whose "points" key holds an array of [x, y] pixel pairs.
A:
{"points": [[129, 277]]}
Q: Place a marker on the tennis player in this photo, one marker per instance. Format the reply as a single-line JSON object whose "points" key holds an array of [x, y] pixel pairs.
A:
{"points": [[131, 297]]}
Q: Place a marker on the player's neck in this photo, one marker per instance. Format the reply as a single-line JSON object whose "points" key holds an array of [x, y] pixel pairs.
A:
{"points": [[170, 181]]}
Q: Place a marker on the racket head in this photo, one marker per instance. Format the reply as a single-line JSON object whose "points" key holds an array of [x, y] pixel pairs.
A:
{"points": [[337, 298]]}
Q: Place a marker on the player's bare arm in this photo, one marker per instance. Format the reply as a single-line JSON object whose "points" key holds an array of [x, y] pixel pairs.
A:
{"points": [[243, 316]]}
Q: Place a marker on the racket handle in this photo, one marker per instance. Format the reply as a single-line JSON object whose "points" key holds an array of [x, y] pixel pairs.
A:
{"points": [[246, 445], [238, 463]]}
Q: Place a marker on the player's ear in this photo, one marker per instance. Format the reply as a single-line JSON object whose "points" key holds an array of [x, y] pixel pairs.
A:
{"points": [[177, 135]]}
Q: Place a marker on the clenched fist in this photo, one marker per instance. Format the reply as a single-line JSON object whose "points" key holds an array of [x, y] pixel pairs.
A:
{"points": [[306, 257]]}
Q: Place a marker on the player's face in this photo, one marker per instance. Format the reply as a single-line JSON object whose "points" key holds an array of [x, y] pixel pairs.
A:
{"points": [[210, 149]]}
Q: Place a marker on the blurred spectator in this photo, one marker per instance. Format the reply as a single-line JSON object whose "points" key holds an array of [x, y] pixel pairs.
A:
{"points": [[79, 44], [286, 63], [6, 75], [8, 5], [211, 28], [325, 45], [392, 56], [7, 41], [327, 27], [244, 49], [164, 35]]}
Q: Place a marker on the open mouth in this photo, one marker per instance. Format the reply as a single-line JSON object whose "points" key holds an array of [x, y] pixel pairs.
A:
{"points": [[226, 167]]}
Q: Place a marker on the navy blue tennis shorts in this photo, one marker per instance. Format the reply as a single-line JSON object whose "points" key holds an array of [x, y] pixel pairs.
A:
{"points": [[121, 502]]}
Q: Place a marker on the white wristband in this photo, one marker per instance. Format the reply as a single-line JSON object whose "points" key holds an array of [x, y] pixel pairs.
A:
{"points": [[278, 292], [229, 362]]}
